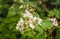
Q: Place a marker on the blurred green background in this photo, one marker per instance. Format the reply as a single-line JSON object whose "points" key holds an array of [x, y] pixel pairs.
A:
{"points": [[10, 14]]}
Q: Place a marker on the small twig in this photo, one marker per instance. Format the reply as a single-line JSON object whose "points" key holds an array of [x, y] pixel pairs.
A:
{"points": [[44, 7], [51, 31]]}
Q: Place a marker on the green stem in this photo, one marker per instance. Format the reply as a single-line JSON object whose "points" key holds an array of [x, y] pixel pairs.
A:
{"points": [[51, 31]]}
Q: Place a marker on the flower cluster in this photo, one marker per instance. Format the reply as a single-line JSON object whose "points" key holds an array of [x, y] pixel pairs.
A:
{"points": [[20, 24], [28, 19], [54, 21]]}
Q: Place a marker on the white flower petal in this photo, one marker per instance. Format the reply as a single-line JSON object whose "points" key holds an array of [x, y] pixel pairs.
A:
{"points": [[32, 26], [27, 14], [21, 7], [21, 28], [39, 20], [16, 27], [20, 23], [26, 11], [55, 23], [34, 19], [24, 15], [30, 20], [53, 19]]}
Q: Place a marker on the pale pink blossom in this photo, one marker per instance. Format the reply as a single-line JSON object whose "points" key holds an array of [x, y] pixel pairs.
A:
{"points": [[26, 11], [31, 25], [27, 14], [20, 24], [34, 19], [24, 15], [54, 21], [39, 20], [21, 28], [30, 20]]}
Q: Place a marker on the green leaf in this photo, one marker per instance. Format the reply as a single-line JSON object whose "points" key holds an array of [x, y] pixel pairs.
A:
{"points": [[13, 10], [13, 36], [33, 4], [50, 37], [35, 14], [52, 12], [34, 33], [40, 36], [39, 29], [46, 24], [58, 32], [29, 34], [58, 14]]}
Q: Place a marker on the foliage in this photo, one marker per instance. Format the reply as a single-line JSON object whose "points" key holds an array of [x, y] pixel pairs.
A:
{"points": [[12, 10]]}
